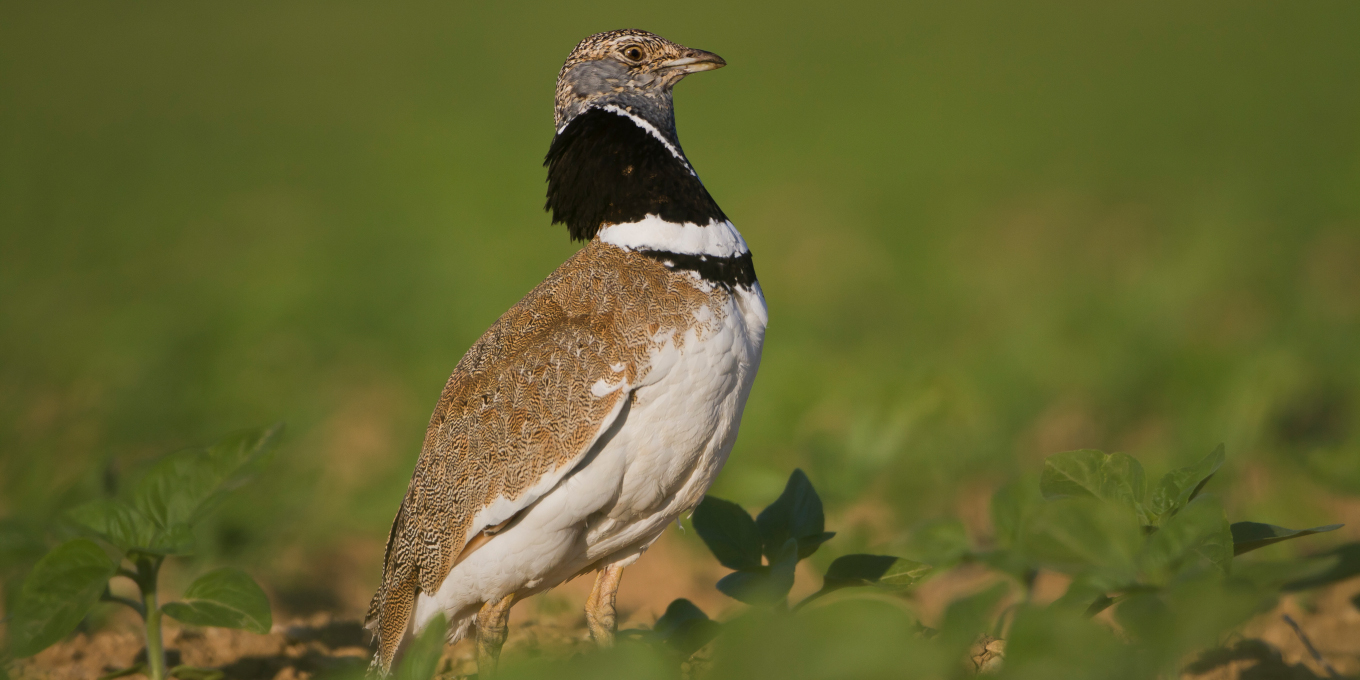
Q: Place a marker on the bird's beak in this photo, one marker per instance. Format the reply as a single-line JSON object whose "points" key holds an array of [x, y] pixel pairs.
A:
{"points": [[694, 61]]}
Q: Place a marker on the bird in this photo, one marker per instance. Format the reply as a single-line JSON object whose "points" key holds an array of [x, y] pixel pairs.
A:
{"points": [[600, 408]]}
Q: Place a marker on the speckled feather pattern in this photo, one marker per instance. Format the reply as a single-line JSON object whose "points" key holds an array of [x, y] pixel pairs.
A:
{"points": [[520, 405]]}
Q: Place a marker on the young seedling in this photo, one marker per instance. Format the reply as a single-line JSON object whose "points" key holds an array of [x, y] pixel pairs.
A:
{"points": [[157, 522]]}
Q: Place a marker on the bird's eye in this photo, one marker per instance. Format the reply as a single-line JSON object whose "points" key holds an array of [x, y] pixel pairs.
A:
{"points": [[633, 53]]}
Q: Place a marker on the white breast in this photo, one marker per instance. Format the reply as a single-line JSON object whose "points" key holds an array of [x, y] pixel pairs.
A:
{"points": [[675, 436], [682, 425]]}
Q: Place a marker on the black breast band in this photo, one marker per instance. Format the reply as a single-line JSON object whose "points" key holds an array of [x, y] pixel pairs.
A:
{"points": [[727, 272]]}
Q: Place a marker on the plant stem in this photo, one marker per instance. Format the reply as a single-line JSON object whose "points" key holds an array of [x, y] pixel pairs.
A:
{"points": [[135, 605], [148, 569]]}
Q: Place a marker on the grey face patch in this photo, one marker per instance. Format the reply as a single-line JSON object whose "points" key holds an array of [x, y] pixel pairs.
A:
{"points": [[595, 78], [602, 82]]}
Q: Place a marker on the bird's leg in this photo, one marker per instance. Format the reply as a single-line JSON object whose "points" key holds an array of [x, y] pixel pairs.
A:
{"points": [[600, 615], [493, 624]]}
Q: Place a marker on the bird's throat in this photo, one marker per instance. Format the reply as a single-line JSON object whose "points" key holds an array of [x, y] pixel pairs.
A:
{"points": [[606, 166]]}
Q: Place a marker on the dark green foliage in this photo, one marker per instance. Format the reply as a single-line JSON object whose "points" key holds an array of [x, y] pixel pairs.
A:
{"points": [[787, 531], [796, 514], [766, 584], [886, 572], [857, 570], [1248, 536], [684, 627], [729, 532]]}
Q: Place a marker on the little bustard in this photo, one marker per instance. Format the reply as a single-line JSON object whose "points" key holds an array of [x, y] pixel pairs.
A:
{"points": [[601, 407]]}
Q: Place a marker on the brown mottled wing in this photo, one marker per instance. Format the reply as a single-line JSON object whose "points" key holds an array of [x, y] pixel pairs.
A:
{"points": [[520, 408]]}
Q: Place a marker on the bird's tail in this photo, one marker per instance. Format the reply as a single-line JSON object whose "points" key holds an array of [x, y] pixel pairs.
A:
{"points": [[389, 614]]}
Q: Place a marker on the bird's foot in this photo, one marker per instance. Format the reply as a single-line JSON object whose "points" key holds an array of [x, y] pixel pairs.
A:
{"points": [[600, 610], [493, 626]]}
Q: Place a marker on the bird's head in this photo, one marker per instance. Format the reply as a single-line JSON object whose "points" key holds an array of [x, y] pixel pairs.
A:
{"points": [[631, 69]]}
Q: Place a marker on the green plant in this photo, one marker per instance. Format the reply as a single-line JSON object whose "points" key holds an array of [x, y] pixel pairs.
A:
{"points": [[1162, 556], [763, 554], [155, 523], [1095, 519]]}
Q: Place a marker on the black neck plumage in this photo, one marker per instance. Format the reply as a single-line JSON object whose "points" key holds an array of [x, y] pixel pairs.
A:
{"points": [[604, 168]]}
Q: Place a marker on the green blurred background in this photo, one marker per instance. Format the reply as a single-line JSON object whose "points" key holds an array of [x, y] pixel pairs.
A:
{"points": [[987, 232]]}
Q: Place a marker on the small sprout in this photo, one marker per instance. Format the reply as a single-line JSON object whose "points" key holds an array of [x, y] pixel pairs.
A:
{"points": [[155, 523]]}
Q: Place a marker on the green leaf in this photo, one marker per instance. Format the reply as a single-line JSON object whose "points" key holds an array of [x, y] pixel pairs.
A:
{"points": [[1113, 477], [1180, 486], [764, 585], [678, 613], [1011, 505], [796, 514], [684, 627], [880, 570], [129, 529], [729, 532], [903, 575], [421, 659], [59, 591], [182, 487], [940, 542], [226, 598], [1077, 534], [1249, 536], [116, 522], [1198, 533]]}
